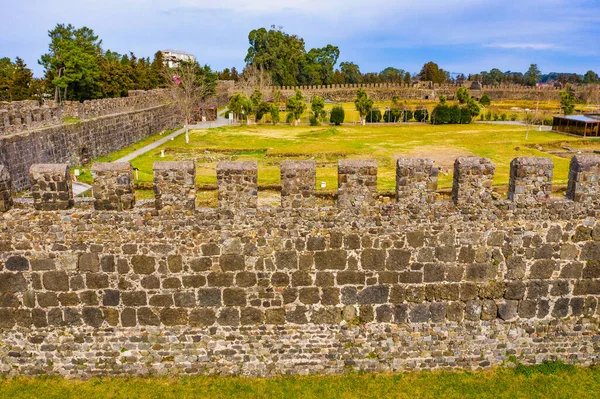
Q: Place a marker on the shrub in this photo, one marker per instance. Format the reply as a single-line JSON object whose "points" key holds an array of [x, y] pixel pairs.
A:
{"points": [[275, 113], [485, 100], [392, 115], [463, 95], [374, 116], [513, 117], [465, 115], [314, 121], [421, 115], [481, 117], [455, 114], [496, 117], [408, 115], [337, 115], [503, 117], [289, 118], [488, 115], [440, 114], [262, 109]]}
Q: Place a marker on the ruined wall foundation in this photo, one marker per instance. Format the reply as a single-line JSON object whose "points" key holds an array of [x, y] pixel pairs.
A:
{"points": [[244, 290]]}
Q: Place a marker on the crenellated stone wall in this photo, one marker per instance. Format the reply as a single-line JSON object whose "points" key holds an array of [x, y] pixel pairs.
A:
{"points": [[280, 290]]}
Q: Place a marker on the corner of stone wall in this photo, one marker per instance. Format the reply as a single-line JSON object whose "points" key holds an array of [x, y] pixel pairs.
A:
{"points": [[51, 186], [530, 180], [584, 178]]}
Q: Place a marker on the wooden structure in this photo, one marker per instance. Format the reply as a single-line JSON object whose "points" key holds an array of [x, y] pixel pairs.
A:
{"points": [[581, 125]]}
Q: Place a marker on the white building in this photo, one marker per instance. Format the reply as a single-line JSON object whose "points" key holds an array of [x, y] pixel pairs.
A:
{"points": [[172, 57]]}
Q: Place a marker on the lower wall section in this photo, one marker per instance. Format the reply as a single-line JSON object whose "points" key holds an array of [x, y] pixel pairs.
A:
{"points": [[262, 351], [80, 142]]}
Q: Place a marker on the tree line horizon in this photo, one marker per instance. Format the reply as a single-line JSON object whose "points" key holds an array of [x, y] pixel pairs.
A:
{"points": [[77, 68]]}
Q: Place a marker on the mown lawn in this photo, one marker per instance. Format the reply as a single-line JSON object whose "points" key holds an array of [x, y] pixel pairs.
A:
{"points": [[268, 145], [550, 381]]}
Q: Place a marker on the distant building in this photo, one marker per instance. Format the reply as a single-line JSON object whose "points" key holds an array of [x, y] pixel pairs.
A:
{"points": [[173, 57]]}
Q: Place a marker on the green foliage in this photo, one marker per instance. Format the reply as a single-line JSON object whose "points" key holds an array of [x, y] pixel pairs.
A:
{"points": [[473, 107], [496, 117], [350, 72], [295, 106], [337, 115], [503, 117], [545, 368], [463, 95], [488, 115], [421, 115], [238, 103], [407, 115], [591, 77], [71, 64], [392, 115], [465, 115], [16, 80], [363, 103], [374, 116], [532, 76], [275, 113], [286, 59], [485, 100], [445, 114], [567, 100], [391, 75], [513, 117], [443, 99], [263, 109], [432, 72], [317, 107]]}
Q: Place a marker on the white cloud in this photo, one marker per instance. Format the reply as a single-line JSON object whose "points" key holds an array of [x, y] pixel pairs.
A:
{"points": [[525, 46]]}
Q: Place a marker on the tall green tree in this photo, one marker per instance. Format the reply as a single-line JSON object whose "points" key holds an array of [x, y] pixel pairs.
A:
{"points": [[7, 70], [432, 72], [317, 106], [21, 82], [567, 100], [237, 104], [363, 104], [351, 72], [590, 77], [532, 76], [318, 68], [391, 75], [295, 107], [71, 64]]}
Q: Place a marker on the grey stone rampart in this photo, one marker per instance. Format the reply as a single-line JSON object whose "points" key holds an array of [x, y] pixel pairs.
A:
{"points": [[357, 183], [584, 179], [473, 181], [298, 182], [78, 143], [416, 180], [391, 289], [113, 186], [530, 180], [51, 187], [6, 189], [175, 185], [238, 185]]}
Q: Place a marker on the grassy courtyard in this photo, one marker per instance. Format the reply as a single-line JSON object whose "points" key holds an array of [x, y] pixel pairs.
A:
{"points": [[268, 145], [543, 381]]}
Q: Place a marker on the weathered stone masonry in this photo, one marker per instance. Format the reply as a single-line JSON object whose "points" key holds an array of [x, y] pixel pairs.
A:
{"points": [[268, 291], [78, 143]]}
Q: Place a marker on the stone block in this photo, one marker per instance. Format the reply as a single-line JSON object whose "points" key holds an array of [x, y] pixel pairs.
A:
{"points": [[584, 178], [298, 181], [6, 190], [530, 180], [51, 186], [416, 180], [357, 183], [175, 185], [472, 184], [113, 186], [238, 185]]}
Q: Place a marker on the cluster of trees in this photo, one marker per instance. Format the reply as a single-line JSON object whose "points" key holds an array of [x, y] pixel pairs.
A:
{"points": [[463, 112], [77, 68], [16, 81], [530, 78]]}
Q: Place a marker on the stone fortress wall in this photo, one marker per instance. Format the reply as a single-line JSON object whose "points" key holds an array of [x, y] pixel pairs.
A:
{"points": [[112, 289], [423, 91], [30, 134]]}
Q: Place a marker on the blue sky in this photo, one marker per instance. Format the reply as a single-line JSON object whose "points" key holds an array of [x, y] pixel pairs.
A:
{"points": [[465, 36]]}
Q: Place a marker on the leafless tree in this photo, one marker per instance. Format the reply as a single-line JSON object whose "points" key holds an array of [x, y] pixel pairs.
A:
{"points": [[254, 78], [187, 89]]}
